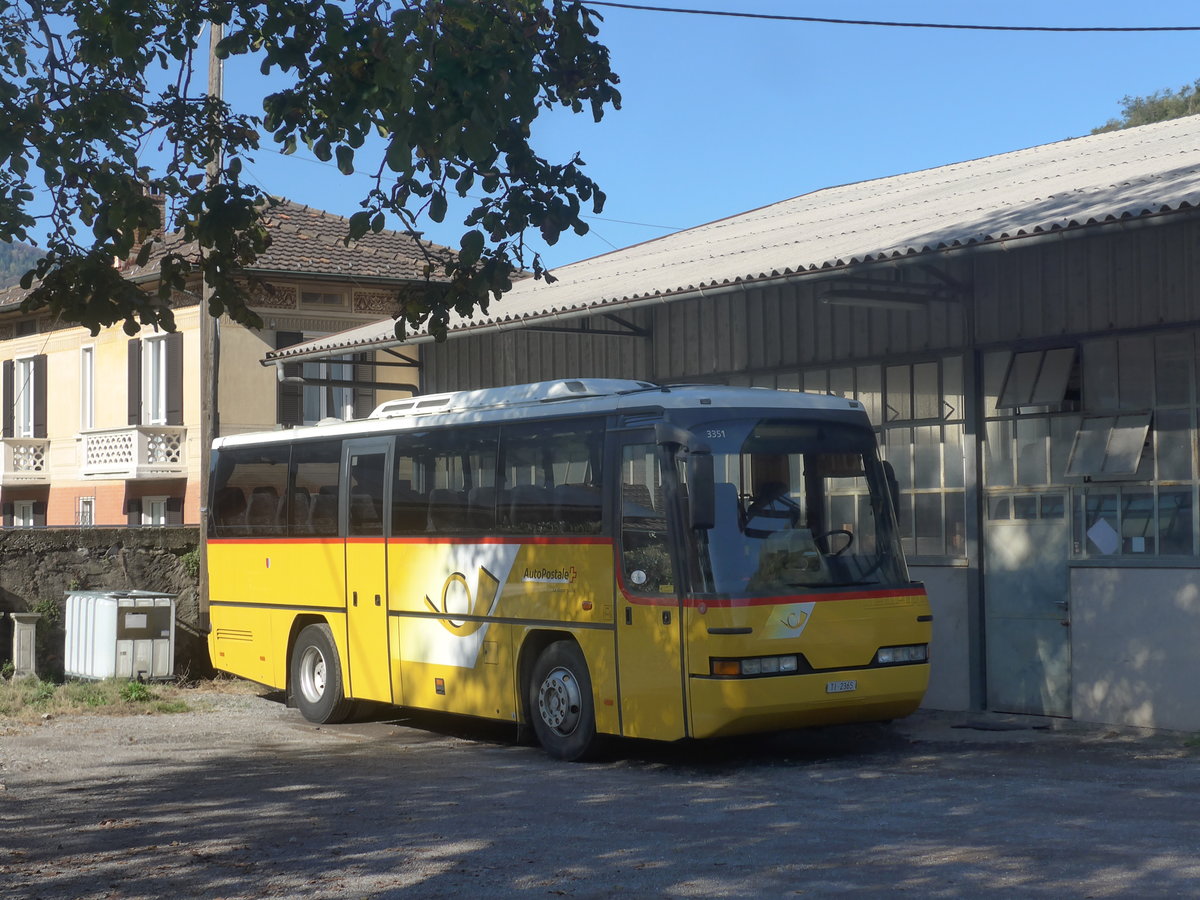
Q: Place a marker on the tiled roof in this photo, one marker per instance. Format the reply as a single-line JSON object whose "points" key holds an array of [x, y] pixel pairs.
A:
{"points": [[308, 241], [305, 242], [1079, 183]]}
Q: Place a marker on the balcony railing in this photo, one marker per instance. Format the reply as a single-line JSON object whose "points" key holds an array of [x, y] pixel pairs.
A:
{"points": [[135, 452], [24, 461]]}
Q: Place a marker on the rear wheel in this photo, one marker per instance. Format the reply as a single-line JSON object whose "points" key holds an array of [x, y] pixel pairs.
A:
{"points": [[317, 677], [560, 702]]}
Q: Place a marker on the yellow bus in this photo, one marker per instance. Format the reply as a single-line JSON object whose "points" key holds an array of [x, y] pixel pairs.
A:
{"points": [[588, 557]]}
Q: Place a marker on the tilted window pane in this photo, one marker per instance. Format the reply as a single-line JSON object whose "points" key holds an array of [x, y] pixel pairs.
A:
{"points": [[1055, 374], [1125, 444]]}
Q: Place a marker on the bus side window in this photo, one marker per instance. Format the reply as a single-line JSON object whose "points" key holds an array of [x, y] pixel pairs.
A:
{"points": [[315, 477], [551, 475]]}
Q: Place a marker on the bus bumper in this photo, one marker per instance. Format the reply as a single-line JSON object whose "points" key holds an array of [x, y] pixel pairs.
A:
{"points": [[728, 706]]}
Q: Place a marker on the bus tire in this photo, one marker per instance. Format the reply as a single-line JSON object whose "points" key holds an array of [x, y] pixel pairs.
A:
{"points": [[317, 677], [560, 702]]}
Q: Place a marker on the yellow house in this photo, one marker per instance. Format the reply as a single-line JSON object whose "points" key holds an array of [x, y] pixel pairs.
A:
{"points": [[102, 430]]}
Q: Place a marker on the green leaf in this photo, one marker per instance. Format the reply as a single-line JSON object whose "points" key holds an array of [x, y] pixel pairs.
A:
{"points": [[345, 159], [437, 206]]}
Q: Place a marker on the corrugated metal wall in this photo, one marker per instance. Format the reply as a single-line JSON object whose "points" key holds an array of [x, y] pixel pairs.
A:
{"points": [[1134, 278], [1073, 285], [757, 330]]}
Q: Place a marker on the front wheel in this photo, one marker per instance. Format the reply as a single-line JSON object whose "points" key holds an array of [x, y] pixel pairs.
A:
{"points": [[317, 677], [560, 702]]}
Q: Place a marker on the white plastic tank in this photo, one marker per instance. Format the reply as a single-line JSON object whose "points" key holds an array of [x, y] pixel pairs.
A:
{"points": [[120, 634]]}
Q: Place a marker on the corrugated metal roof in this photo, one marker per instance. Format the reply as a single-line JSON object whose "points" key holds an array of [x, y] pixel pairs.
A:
{"points": [[1071, 184]]}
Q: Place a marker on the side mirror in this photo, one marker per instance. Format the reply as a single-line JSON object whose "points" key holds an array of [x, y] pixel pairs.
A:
{"points": [[889, 474], [702, 505]]}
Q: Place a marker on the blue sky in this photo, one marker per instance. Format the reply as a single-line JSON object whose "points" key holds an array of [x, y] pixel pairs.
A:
{"points": [[724, 115]]}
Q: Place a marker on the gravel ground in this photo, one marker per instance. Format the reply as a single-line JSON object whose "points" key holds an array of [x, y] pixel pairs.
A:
{"points": [[240, 798]]}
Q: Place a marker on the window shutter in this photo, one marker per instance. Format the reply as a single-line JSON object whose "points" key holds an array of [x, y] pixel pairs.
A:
{"points": [[290, 397], [364, 374], [135, 382], [39, 513], [6, 514], [133, 512], [9, 411], [40, 388], [174, 510], [175, 378]]}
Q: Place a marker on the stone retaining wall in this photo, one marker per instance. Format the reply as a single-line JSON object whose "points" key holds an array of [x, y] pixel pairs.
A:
{"points": [[38, 566]]}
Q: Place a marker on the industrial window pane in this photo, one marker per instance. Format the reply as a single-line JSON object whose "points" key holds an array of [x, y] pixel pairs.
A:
{"points": [[1173, 444], [1137, 522], [956, 528], [952, 387], [1100, 524], [1099, 375], [841, 382], [870, 392], [1062, 436], [927, 396], [1135, 372], [1037, 378], [1055, 374], [899, 453], [1125, 444], [767, 381], [1109, 445], [1021, 379], [952, 453], [1091, 440], [995, 367], [999, 471], [816, 382], [998, 507], [1032, 435], [904, 518], [1053, 506], [899, 393], [928, 508], [927, 457], [1175, 522], [1025, 507], [789, 381]]}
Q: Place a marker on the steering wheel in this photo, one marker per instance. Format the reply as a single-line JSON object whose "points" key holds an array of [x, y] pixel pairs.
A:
{"points": [[825, 534], [774, 493]]}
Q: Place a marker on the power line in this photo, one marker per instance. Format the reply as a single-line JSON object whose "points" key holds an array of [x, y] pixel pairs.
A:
{"points": [[885, 24]]}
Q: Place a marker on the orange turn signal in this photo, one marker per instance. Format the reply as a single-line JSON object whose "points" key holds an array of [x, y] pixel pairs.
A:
{"points": [[726, 667]]}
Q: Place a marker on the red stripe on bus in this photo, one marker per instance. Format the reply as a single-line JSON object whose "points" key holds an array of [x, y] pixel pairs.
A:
{"points": [[592, 541], [736, 602]]}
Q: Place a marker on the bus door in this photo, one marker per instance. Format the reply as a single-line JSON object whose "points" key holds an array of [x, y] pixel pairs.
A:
{"points": [[365, 493], [649, 629]]}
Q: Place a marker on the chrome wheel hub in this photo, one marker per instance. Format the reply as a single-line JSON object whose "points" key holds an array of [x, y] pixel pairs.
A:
{"points": [[559, 701]]}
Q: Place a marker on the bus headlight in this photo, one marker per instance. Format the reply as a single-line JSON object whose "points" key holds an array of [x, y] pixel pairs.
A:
{"points": [[890, 656]]}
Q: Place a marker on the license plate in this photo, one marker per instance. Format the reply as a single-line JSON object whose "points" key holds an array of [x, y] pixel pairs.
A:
{"points": [[840, 687]]}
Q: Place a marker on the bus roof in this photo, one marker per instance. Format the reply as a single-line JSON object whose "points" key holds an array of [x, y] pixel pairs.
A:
{"points": [[547, 399]]}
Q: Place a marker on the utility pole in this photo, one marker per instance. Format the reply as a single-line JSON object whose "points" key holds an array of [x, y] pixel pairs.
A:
{"points": [[210, 344]]}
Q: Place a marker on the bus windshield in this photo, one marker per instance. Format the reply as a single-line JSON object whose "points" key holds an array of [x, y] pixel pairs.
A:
{"points": [[798, 505]]}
